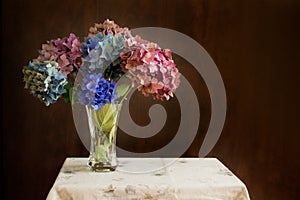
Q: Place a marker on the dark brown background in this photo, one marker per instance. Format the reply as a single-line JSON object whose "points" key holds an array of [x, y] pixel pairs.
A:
{"points": [[254, 43]]}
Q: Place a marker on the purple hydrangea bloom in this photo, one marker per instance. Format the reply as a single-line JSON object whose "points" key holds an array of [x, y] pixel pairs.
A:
{"points": [[64, 51], [97, 91]]}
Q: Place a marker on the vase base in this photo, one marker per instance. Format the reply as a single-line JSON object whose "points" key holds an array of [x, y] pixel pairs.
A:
{"points": [[102, 167]]}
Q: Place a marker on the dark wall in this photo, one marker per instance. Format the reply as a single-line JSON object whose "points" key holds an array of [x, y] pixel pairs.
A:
{"points": [[254, 43]]}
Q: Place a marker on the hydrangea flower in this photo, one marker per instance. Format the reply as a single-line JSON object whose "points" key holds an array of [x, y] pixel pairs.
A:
{"points": [[65, 51], [154, 71], [100, 51], [106, 55], [110, 27], [161, 84], [97, 91], [105, 28], [44, 81]]}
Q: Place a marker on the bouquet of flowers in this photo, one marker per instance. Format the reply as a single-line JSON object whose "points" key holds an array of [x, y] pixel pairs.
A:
{"points": [[88, 71]]}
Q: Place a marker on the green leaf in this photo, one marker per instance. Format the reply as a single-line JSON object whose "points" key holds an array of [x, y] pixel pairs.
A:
{"points": [[122, 89], [68, 85], [112, 134], [106, 117], [101, 152], [68, 95], [74, 91]]}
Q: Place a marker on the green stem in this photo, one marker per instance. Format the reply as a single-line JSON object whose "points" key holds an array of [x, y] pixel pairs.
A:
{"points": [[125, 95]]}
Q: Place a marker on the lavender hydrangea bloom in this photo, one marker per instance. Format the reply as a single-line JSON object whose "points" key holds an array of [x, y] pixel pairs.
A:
{"points": [[97, 91], [100, 51], [44, 81]]}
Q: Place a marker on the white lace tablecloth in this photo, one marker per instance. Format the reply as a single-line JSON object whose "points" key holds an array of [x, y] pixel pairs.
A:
{"points": [[186, 178]]}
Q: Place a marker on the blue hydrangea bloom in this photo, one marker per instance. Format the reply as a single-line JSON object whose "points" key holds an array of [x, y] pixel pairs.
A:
{"points": [[100, 51], [97, 91], [44, 81]]}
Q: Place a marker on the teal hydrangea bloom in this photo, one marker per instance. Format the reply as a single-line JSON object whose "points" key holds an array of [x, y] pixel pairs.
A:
{"points": [[44, 81], [100, 51]]}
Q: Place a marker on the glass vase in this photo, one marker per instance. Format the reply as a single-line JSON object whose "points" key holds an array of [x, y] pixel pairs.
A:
{"points": [[103, 124]]}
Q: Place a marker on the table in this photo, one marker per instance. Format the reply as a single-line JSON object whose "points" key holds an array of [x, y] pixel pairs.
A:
{"points": [[186, 178]]}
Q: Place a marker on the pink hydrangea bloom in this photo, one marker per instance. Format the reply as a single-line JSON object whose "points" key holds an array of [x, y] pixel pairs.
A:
{"points": [[107, 27], [65, 51], [154, 71]]}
